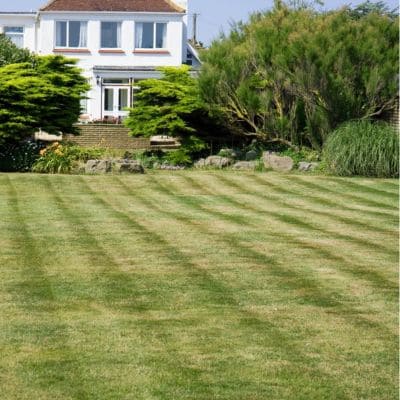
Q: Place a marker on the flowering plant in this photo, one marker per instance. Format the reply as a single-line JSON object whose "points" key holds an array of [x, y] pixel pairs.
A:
{"points": [[62, 158]]}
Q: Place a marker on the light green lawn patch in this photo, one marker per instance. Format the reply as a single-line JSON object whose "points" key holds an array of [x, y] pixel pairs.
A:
{"points": [[198, 285]]}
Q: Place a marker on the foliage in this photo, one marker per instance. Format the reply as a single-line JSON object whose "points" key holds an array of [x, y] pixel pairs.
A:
{"points": [[18, 157], [163, 105], [11, 54], [191, 148], [301, 154], [172, 106], [44, 94], [363, 148], [368, 7], [59, 158], [293, 75], [149, 158]]}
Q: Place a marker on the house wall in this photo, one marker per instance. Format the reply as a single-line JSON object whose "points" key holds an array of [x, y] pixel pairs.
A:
{"points": [[46, 39], [27, 21]]}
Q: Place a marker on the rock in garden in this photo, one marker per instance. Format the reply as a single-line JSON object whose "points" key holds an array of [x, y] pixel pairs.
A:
{"points": [[129, 167], [244, 165], [251, 155], [98, 166], [307, 166], [217, 161], [277, 163], [200, 163], [168, 167], [230, 153]]}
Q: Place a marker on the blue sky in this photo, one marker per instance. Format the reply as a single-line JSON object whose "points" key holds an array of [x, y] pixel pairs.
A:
{"points": [[215, 15]]}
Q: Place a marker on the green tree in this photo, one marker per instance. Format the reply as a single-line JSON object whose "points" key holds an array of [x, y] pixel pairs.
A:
{"points": [[172, 106], [165, 106], [293, 75], [44, 93], [368, 7], [10, 54]]}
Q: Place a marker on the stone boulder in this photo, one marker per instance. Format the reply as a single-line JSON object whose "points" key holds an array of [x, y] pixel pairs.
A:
{"points": [[217, 161], [277, 163], [251, 155], [201, 163], [98, 166], [307, 166], [128, 166], [245, 165], [230, 153], [168, 167]]}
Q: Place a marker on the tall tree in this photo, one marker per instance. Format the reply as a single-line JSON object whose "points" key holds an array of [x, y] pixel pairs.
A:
{"points": [[293, 75], [44, 93]]}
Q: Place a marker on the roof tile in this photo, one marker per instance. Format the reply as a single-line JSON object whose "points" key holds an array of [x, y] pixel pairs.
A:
{"points": [[113, 5]]}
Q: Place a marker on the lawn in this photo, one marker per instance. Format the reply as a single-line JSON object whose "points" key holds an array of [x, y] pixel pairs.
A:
{"points": [[198, 285]]}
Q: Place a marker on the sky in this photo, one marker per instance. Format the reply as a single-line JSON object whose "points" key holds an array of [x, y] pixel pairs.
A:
{"points": [[215, 15]]}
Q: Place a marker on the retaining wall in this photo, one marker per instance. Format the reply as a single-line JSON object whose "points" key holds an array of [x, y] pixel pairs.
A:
{"points": [[107, 136]]}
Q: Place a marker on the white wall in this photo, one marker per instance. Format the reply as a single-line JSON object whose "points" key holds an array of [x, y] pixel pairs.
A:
{"points": [[27, 21], [175, 37]]}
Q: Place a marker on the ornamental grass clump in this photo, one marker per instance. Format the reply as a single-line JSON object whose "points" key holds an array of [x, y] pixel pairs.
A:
{"points": [[363, 148]]}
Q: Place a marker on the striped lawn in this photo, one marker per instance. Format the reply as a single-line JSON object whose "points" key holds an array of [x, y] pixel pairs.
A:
{"points": [[198, 285]]}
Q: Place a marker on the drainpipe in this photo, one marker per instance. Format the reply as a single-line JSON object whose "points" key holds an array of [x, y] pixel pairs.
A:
{"points": [[37, 23]]}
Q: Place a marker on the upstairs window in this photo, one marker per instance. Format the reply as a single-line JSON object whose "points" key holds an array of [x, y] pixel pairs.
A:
{"points": [[110, 35], [71, 34], [15, 34], [150, 35]]}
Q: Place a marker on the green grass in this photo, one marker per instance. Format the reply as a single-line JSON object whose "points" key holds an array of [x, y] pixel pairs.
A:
{"points": [[198, 285]]}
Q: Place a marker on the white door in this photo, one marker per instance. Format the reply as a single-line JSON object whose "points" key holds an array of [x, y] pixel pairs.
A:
{"points": [[115, 101]]}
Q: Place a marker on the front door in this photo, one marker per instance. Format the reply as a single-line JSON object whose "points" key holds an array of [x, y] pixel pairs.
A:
{"points": [[115, 101]]}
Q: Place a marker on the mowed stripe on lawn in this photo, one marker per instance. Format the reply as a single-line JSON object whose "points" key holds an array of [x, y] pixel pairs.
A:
{"points": [[199, 285]]}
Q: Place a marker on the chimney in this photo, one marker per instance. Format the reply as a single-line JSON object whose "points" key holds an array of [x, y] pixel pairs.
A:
{"points": [[182, 3]]}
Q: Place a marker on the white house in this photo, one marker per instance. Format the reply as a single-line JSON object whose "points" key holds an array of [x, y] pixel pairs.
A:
{"points": [[117, 43]]}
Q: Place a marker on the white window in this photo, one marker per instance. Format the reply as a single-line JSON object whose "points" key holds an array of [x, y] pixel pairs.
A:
{"points": [[110, 35], [15, 34], [71, 34], [150, 35]]}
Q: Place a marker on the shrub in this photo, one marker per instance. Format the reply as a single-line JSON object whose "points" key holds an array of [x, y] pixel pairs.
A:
{"points": [[302, 154], [191, 148], [293, 75], [61, 159], [18, 157], [363, 148], [149, 158]]}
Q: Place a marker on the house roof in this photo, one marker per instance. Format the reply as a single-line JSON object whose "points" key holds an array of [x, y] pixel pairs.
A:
{"points": [[113, 5]]}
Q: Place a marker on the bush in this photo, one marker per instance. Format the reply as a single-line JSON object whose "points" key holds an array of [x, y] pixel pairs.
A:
{"points": [[302, 154], [363, 148], [18, 157], [61, 159], [191, 148], [149, 158]]}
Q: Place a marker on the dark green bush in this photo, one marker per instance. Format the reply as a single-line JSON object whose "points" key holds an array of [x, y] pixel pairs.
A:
{"points": [[363, 148], [18, 157], [191, 148]]}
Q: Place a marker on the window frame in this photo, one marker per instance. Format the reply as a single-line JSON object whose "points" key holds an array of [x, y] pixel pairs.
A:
{"points": [[119, 35], [67, 38], [15, 34], [154, 48]]}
